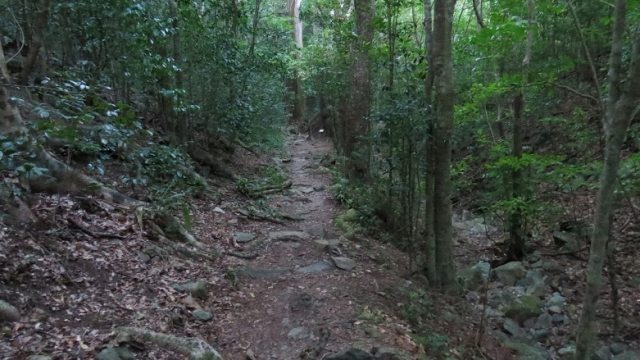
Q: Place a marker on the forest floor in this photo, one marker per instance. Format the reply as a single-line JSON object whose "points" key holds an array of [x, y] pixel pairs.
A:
{"points": [[280, 289]]}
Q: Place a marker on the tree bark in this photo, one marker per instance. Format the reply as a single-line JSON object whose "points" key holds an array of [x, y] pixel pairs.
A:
{"points": [[624, 95], [357, 108], [430, 238], [444, 94], [295, 83]]}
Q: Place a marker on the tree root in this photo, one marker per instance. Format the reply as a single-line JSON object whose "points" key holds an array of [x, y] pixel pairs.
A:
{"points": [[241, 255], [268, 189], [195, 348]]}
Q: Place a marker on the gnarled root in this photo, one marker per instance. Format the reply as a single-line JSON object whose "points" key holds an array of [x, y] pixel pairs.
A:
{"points": [[195, 348]]}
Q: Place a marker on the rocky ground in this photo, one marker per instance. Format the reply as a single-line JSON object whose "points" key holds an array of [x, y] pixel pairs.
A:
{"points": [[287, 283]]}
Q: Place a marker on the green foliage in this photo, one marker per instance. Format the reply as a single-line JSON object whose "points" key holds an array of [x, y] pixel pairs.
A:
{"points": [[168, 174], [271, 177], [418, 307], [434, 343]]}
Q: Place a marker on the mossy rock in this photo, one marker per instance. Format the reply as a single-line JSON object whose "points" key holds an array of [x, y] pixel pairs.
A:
{"points": [[526, 351], [524, 308], [197, 289]]}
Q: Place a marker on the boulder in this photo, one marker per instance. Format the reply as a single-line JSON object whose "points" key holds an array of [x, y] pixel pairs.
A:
{"points": [[243, 237], [299, 333], [315, 267], [534, 283], [524, 308], [288, 235], [8, 312], [510, 272], [197, 289], [343, 263], [627, 355], [202, 315], [476, 276], [115, 353]]}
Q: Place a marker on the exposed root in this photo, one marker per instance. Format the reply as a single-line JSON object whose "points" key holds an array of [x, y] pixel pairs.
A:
{"points": [[241, 255], [195, 348]]}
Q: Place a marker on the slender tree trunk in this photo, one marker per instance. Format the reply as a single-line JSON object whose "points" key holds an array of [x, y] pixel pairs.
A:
{"points": [[517, 246], [180, 121], [295, 84], [444, 94], [624, 95], [357, 108], [430, 238], [254, 28]]}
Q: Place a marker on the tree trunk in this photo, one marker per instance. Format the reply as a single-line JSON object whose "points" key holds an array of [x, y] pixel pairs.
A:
{"points": [[430, 238], [357, 108], [444, 94], [254, 28], [180, 121], [295, 84], [624, 95]]}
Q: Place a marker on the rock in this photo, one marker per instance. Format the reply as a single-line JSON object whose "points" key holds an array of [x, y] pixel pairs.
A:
{"points": [[202, 315], [567, 352], [558, 319], [618, 348], [109, 353], [524, 308], [627, 355], [218, 210], [544, 321], [8, 312], [540, 334], [500, 298], [299, 333], [555, 309], [556, 300], [476, 276], [243, 237], [315, 267], [513, 329], [472, 297], [603, 353], [39, 357], [386, 354], [288, 235], [197, 289], [144, 257], [307, 190], [566, 241], [552, 266], [329, 242], [343, 263], [351, 354], [510, 272], [534, 283], [526, 351]]}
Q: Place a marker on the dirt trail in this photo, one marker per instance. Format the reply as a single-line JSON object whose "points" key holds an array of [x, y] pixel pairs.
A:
{"points": [[292, 302]]}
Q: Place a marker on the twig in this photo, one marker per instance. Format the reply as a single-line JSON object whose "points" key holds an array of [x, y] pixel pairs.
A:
{"points": [[576, 92]]}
